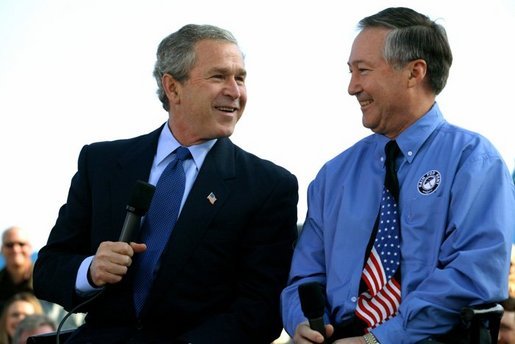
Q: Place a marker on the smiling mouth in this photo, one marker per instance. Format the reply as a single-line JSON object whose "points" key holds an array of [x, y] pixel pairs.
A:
{"points": [[226, 109], [364, 103]]}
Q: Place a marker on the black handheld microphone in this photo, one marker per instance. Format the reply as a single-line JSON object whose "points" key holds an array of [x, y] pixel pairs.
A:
{"points": [[312, 302], [138, 205]]}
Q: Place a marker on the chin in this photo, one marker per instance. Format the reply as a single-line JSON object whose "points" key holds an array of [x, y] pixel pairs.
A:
{"points": [[367, 125], [226, 130]]}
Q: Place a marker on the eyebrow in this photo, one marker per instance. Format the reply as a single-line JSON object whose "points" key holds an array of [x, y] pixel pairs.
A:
{"points": [[223, 70], [350, 63], [12, 243]]}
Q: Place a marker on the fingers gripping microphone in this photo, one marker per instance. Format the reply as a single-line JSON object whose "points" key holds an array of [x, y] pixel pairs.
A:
{"points": [[139, 203], [312, 302]]}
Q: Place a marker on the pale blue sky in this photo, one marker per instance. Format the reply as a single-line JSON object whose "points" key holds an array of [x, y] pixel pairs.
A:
{"points": [[75, 72]]}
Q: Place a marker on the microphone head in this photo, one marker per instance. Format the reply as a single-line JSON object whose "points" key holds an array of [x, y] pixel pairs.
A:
{"points": [[142, 194], [312, 300]]}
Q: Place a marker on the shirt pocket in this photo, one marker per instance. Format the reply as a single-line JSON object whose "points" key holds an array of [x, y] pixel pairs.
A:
{"points": [[423, 227]]}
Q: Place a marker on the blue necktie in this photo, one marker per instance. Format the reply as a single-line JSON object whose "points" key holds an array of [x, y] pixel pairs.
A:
{"points": [[159, 223]]}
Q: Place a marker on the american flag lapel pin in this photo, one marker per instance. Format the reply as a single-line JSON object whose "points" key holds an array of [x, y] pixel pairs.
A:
{"points": [[211, 198]]}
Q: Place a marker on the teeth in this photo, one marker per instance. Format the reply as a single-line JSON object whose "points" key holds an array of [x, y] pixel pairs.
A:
{"points": [[365, 102], [228, 109]]}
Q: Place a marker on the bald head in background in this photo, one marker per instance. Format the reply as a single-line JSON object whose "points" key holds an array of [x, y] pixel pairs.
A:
{"points": [[16, 276]]}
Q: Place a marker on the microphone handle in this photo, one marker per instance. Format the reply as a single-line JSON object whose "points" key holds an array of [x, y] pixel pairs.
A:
{"points": [[130, 226], [317, 324]]}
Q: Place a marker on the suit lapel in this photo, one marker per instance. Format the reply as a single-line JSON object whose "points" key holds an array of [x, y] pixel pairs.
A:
{"points": [[214, 177], [133, 165]]}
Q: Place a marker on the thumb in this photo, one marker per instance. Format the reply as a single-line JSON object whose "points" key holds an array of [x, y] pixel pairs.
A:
{"points": [[138, 248], [329, 330]]}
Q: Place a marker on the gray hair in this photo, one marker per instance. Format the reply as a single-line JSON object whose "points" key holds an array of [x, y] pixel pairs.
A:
{"points": [[414, 36], [176, 53]]}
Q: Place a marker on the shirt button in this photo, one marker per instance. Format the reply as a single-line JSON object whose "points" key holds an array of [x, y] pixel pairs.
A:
{"points": [[410, 153], [354, 299], [382, 159]]}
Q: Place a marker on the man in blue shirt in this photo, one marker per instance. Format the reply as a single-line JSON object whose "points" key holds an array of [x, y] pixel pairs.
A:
{"points": [[456, 200]]}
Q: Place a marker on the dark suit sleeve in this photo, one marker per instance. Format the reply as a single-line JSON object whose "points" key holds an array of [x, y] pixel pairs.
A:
{"points": [[93, 213], [56, 268], [262, 270]]}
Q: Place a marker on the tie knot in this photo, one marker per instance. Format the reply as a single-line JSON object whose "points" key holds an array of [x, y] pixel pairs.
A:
{"points": [[182, 153], [391, 150], [390, 181]]}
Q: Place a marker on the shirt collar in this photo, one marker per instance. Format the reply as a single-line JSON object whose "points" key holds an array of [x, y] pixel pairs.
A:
{"points": [[168, 143], [413, 137]]}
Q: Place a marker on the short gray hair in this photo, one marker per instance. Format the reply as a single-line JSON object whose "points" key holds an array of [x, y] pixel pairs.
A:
{"points": [[414, 36], [176, 53]]}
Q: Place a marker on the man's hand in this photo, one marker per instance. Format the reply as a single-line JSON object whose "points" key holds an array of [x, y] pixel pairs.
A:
{"points": [[304, 334], [112, 261]]}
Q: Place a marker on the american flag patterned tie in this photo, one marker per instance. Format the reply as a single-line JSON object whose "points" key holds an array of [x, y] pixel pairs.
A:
{"points": [[381, 301]]}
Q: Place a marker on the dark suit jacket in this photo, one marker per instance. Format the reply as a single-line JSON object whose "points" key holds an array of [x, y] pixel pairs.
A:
{"points": [[222, 270]]}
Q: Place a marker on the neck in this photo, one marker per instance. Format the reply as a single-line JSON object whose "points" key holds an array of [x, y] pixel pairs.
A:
{"points": [[416, 109], [19, 273]]}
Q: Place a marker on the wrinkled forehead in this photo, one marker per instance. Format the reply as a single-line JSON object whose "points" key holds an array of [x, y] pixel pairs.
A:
{"points": [[369, 43]]}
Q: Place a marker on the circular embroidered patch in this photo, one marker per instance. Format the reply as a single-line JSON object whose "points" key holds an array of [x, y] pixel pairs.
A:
{"points": [[429, 182]]}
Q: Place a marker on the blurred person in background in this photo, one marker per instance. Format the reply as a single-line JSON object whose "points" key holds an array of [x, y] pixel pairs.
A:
{"points": [[33, 325], [507, 328], [16, 276], [15, 310], [511, 278]]}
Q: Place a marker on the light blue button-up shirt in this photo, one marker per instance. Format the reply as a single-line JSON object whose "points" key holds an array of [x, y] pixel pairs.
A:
{"points": [[457, 208], [166, 145]]}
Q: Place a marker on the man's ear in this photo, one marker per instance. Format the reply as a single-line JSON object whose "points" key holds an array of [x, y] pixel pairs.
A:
{"points": [[417, 72], [171, 88]]}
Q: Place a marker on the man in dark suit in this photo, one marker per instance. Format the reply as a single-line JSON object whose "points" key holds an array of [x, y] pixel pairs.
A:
{"points": [[226, 260]]}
